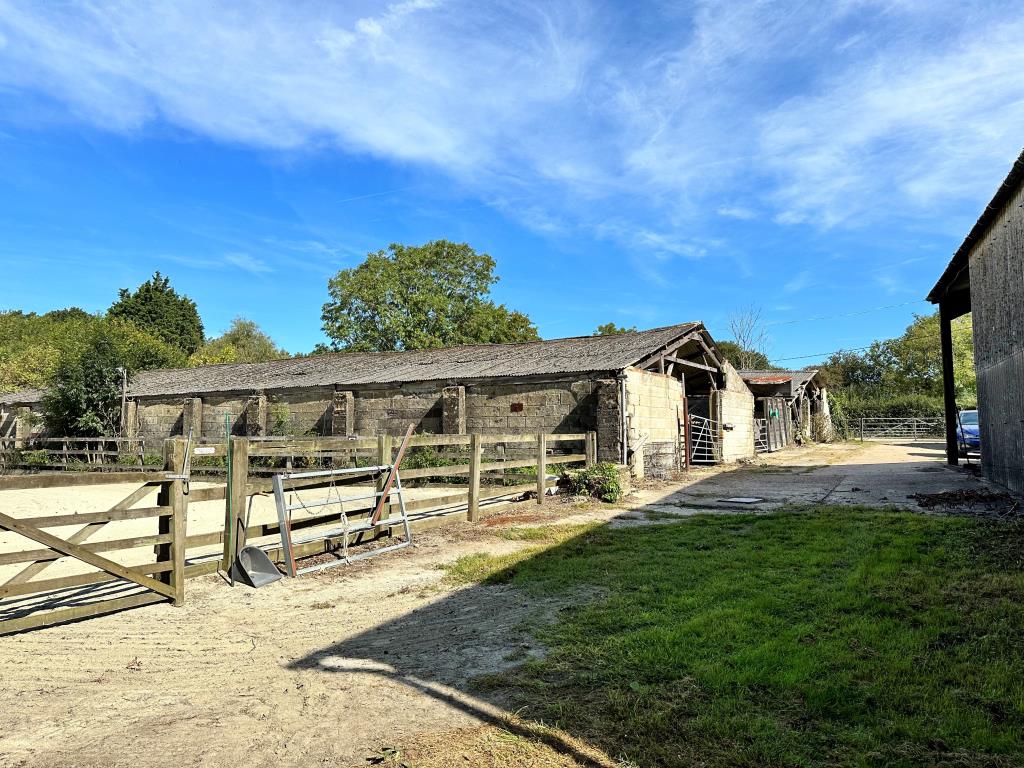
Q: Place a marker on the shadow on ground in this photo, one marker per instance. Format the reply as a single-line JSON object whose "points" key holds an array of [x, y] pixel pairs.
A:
{"points": [[726, 640]]}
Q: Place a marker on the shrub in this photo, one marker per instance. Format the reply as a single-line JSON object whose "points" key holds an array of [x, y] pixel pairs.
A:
{"points": [[600, 481], [35, 458]]}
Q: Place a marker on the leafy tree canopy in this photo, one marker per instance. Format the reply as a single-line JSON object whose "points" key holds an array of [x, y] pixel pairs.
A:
{"points": [[243, 342], [157, 308], [745, 359], [418, 297], [611, 329], [83, 392], [909, 364]]}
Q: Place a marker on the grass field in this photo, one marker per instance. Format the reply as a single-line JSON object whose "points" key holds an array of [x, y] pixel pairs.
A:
{"points": [[834, 636]]}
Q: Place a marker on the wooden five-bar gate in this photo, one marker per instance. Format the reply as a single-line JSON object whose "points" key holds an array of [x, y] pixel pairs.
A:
{"points": [[30, 598]]}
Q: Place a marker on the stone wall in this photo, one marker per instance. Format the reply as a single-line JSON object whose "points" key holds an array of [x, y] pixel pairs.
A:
{"points": [[653, 403]]}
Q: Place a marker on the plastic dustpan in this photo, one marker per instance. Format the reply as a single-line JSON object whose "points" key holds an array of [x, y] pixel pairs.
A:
{"points": [[254, 568]]}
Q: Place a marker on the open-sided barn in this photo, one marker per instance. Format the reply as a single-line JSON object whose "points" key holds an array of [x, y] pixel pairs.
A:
{"points": [[986, 278], [790, 406], [632, 389]]}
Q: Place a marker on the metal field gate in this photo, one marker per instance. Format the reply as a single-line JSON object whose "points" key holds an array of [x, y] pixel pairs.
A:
{"points": [[908, 428], [705, 441]]}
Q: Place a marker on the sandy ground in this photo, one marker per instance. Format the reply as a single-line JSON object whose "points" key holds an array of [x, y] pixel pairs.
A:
{"points": [[331, 669]]}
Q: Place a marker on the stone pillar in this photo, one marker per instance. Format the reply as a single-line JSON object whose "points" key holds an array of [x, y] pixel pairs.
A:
{"points": [[256, 416], [192, 417], [131, 418], [453, 410], [343, 414]]}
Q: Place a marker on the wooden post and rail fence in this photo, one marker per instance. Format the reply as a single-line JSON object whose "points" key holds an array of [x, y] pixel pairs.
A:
{"points": [[28, 602]]}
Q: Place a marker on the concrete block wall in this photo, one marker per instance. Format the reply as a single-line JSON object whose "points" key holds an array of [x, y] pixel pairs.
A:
{"points": [[391, 410], [569, 405], [653, 404], [560, 406], [736, 407]]}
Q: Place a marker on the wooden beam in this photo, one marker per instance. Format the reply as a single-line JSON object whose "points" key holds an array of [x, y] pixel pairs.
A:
{"points": [[948, 384], [691, 364], [83, 554]]}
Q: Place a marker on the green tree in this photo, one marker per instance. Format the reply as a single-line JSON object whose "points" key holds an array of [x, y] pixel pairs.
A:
{"points": [[418, 297], [611, 329], [83, 394], [243, 342], [744, 359], [157, 308]]}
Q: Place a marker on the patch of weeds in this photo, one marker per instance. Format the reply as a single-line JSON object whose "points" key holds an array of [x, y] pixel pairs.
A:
{"points": [[600, 481]]}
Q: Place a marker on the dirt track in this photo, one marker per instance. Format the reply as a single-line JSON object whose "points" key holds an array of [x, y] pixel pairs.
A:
{"points": [[328, 669]]}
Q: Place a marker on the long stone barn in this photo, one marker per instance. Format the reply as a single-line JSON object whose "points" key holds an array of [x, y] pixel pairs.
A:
{"points": [[629, 388]]}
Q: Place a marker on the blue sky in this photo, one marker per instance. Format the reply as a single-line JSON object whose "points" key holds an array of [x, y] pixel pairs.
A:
{"points": [[644, 163]]}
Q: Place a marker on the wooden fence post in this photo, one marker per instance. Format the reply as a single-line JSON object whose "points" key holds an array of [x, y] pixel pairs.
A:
{"points": [[172, 494], [542, 468], [234, 499], [591, 449], [475, 451]]}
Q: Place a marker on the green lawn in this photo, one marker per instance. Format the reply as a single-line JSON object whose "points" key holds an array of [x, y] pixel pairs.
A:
{"points": [[837, 636]]}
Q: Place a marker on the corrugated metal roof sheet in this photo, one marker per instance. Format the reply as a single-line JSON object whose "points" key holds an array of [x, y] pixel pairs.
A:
{"points": [[796, 379], [581, 354]]}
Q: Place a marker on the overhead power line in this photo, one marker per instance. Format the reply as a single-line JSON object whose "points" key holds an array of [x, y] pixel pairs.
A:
{"points": [[821, 354]]}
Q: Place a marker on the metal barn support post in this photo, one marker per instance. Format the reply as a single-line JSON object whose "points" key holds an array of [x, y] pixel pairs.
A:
{"points": [[542, 468], [473, 505]]}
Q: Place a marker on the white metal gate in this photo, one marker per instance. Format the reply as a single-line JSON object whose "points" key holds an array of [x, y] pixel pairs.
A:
{"points": [[705, 445], [907, 428]]}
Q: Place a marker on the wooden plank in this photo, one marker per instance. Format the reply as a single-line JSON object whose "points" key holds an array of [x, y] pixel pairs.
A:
{"points": [[62, 615], [521, 438], [85, 555], [77, 538], [566, 436], [457, 469], [76, 580], [567, 459], [439, 440], [48, 556], [691, 364], [71, 479], [81, 518], [214, 493]]}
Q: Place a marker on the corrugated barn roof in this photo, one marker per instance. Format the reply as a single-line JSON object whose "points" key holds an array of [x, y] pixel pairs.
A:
{"points": [[581, 354]]}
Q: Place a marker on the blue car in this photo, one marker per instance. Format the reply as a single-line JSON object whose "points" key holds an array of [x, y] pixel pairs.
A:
{"points": [[967, 435]]}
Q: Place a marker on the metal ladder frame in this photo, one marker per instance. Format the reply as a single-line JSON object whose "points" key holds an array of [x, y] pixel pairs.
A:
{"points": [[283, 509]]}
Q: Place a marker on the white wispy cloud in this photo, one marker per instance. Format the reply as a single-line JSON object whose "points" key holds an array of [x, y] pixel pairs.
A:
{"points": [[248, 263], [783, 112]]}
